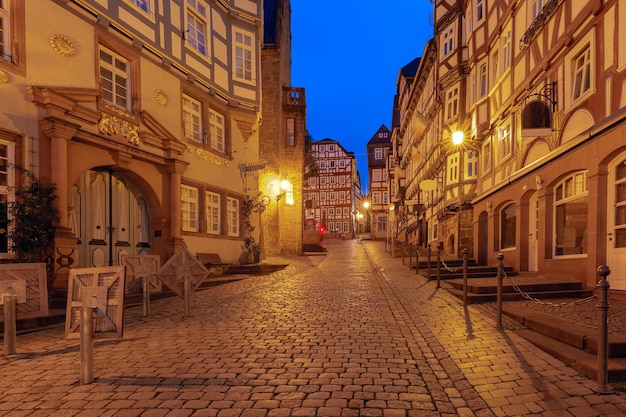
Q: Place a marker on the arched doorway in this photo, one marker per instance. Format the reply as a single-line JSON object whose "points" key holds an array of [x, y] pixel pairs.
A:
{"points": [[109, 215], [616, 222]]}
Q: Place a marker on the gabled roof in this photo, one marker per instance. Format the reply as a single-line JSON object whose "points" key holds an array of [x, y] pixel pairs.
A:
{"points": [[333, 141], [410, 69], [377, 137]]}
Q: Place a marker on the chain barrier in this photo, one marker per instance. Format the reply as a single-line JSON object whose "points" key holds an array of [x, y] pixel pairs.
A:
{"points": [[449, 268], [529, 297]]}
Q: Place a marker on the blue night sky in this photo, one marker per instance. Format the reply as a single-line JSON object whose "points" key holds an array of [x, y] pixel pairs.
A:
{"points": [[347, 55]]}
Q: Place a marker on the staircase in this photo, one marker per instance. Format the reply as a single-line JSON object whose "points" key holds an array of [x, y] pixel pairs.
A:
{"points": [[574, 344]]}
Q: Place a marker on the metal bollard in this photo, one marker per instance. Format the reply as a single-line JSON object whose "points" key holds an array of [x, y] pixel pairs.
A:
{"points": [[403, 254], [187, 288], [603, 328], [438, 267], [10, 323], [464, 276], [500, 278], [86, 345], [428, 261], [146, 295], [417, 259]]}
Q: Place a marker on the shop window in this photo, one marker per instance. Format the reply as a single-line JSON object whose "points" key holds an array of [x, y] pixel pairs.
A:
{"points": [[570, 215]]}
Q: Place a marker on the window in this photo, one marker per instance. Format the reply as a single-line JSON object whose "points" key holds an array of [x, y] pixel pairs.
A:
{"points": [[244, 56], [570, 215], [114, 78], [582, 73], [378, 153], [213, 213], [448, 42], [332, 179], [453, 168], [322, 164], [342, 179], [494, 67], [331, 164], [216, 131], [5, 31], [506, 50], [535, 8], [346, 227], [376, 197], [480, 10], [342, 163], [342, 195], [331, 212], [376, 175], [312, 181], [333, 196], [483, 85], [505, 143], [452, 103], [507, 226], [471, 161], [192, 119], [143, 5], [7, 183], [291, 131], [385, 197], [322, 180], [322, 148], [382, 223], [486, 156], [189, 208], [232, 213], [331, 148], [197, 24]]}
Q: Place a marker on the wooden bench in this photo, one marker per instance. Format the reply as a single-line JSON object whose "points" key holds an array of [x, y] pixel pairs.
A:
{"points": [[213, 263]]}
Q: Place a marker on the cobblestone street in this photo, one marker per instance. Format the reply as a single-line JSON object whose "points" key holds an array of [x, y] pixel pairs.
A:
{"points": [[353, 333]]}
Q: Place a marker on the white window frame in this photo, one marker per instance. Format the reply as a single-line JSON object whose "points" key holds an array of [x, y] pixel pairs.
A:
{"points": [[483, 75], [471, 165], [197, 33], [378, 153], [7, 191], [114, 80], [244, 55], [331, 148], [232, 215], [505, 142], [575, 73], [376, 197], [376, 175], [569, 190], [506, 49], [486, 158], [217, 130], [452, 102], [452, 176], [342, 179], [480, 10], [213, 212], [192, 119], [145, 6], [189, 208], [5, 31], [447, 40]]}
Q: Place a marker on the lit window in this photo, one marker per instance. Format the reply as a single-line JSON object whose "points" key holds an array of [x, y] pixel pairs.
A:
{"points": [[570, 215], [213, 213], [232, 212], [216, 131], [244, 56], [7, 187], [189, 208], [197, 26], [115, 78], [452, 103], [505, 143], [508, 226], [453, 168], [192, 118], [486, 156]]}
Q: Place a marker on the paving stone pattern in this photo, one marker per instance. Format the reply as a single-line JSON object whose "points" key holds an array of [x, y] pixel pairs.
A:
{"points": [[353, 333]]}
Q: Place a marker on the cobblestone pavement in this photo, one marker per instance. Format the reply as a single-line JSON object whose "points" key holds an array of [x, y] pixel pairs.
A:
{"points": [[353, 333]]}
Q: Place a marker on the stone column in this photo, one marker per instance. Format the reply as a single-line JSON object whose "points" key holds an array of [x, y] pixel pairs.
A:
{"points": [[65, 256], [176, 169]]}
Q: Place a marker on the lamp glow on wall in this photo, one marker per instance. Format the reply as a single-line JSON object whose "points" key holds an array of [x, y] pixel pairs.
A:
{"points": [[278, 189], [287, 189], [458, 137]]}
